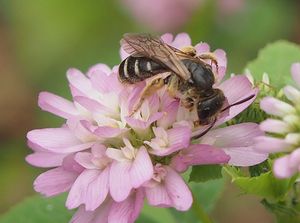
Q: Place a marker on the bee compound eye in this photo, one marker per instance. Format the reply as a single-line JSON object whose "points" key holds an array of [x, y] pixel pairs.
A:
{"points": [[206, 112]]}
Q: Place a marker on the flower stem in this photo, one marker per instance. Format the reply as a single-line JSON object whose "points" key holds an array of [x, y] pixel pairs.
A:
{"points": [[200, 212]]}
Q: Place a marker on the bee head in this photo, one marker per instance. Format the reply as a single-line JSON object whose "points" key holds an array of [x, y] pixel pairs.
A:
{"points": [[208, 108]]}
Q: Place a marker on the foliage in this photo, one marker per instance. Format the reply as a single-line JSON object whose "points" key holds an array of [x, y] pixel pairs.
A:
{"points": [[39, 209], [275, 60], [205, 172]]}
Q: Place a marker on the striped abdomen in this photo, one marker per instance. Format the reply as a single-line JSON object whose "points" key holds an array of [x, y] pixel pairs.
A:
{"points": [[136, 69]]}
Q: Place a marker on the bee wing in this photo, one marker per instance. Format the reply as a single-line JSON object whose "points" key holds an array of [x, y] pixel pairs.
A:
{"points": [[157, 50]]}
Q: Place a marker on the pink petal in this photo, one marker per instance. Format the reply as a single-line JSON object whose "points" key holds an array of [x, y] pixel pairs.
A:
{"points": [[92, 105], [267, 144], [127, 211], [233, 136], [182, 40], [45, 159], [70, 164], [282, 168], [179, 138], [109, 132], [169, 117], [167, 38], [83, 216], [158, 196], [236, 89], [222, 64], [276, 107], [292, 93], [60, 140], [99, 215], [244, 156], [141, 169], [54, 181], [202, 48], [198, 155], [295, 158], [221, 57], [99, 68], [178, 191], [295, 70], [98, 150], [274, 126], [35, 147], [134, 95], [153, 103], [80, 131], [57, 105], [97, 191], [102, 132], [78, 192], [80, 84], [119, 180], [84, 159], [140, 124], [105, 82]]}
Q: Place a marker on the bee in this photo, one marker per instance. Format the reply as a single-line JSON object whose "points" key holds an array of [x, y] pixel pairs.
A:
{"points": [[185, 73]]}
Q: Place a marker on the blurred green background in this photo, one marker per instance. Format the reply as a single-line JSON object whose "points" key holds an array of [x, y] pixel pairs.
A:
{"points": [[40, 40]]}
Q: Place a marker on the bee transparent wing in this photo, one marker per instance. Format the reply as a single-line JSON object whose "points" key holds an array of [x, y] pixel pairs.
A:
{"points": [[157, 50]]}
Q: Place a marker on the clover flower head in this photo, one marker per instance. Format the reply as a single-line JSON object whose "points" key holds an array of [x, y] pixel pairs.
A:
{"points": [[284, 128], [109, 161]]}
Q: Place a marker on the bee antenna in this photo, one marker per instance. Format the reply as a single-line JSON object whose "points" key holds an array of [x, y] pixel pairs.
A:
{"points": [[205, 131], [239, 102]]}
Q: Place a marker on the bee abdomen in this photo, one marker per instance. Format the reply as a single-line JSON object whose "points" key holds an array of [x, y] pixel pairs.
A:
{"points": [[136, 69]]}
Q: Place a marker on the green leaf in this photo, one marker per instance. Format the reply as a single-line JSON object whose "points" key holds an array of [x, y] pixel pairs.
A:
{"points": [[260, 168], [275, 60], [38, 209], [284, 211], [205, 194], [264, 185], [145, 219], [155, 215], [204, 173]]}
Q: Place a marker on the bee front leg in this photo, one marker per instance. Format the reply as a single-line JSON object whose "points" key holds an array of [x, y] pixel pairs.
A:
{"points": [[150, 89], [188, 103], [210, 56]]}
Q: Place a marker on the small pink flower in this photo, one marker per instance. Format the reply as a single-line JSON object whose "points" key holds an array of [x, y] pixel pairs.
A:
{"points": [[130, 169], [169, 141], [109, 161], [168, 189], [92, 185], [286, 126]]}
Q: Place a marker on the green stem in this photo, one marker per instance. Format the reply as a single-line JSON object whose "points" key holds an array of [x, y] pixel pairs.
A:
{"points": [[200, 212]]}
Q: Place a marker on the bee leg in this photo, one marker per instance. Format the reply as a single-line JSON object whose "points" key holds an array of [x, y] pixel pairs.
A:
{"points": [[196, 124], [172, 83], [151, 88], [210, 56], [188, 103], [190, 50]]}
